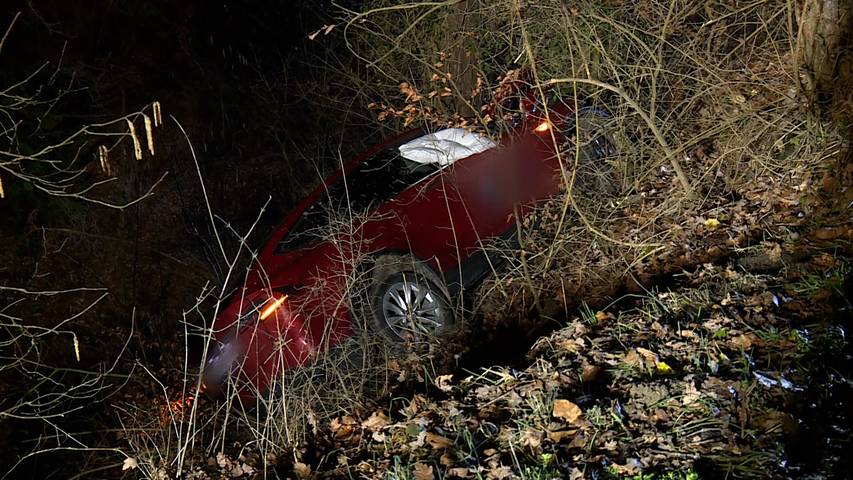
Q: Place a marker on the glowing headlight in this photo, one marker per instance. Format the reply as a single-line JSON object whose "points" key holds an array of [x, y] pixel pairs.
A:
{"points": [[272, 305], [543, 127]]}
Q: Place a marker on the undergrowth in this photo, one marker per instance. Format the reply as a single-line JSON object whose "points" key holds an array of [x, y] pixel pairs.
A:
{"points": [[719, 156]]}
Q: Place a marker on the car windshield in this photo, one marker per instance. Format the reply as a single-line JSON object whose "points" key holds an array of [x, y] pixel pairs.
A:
{"points": [[374, 181]]}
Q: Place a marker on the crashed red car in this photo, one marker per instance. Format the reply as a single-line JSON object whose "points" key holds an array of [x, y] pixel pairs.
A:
{"points": [[391, 241]]}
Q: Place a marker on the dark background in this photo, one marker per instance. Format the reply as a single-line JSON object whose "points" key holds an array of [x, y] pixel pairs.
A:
{"points": [[266, 116], [241, 77]]}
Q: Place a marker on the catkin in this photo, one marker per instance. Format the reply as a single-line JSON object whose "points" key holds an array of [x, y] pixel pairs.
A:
{"points": [[137, 147], [103, 156], [158, 118], [149, 135]]}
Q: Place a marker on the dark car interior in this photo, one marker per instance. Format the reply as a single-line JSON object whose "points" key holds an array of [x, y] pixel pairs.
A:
{"points": [[374, 181]]}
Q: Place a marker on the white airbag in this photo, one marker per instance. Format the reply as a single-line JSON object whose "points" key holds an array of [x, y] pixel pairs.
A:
{"points": [[445, 146]]}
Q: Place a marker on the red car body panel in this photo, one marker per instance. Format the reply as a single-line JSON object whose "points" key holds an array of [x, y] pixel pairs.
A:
{"points": [[442, 220]]}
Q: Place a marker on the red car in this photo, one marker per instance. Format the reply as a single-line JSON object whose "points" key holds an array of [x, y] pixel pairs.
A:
{"points": [[390, 242]]}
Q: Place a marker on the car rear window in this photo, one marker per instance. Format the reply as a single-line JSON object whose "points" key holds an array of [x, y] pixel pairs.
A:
{"points": [[378, 179]]}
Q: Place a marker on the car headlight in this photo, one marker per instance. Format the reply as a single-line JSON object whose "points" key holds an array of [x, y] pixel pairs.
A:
{"points": [[271, 306]]}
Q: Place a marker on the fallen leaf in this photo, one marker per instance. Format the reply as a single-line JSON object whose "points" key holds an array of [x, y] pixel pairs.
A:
{"points": [[236, 471], [691, 394], [461, 472], [301, 470], [566, 410], [649, 356], [443, 382], [422, 471], [632, 359], [499, 473], [712, 224], [572, 345], [341, 427], [532, 438], [247, 469], [377, 421], [631, 467], [559, 435], [437, 441], [743, 342], [129, 464]]}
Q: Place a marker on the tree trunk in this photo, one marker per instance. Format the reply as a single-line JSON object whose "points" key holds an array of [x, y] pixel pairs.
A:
{"points": [[824, 52], [459, 45]]}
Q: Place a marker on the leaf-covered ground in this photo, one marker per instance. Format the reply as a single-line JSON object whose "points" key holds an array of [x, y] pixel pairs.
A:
{"points": [[737, 369], [725, 372]]}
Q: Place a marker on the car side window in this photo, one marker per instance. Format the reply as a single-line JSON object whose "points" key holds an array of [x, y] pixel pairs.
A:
{"points": [[378, 179]]}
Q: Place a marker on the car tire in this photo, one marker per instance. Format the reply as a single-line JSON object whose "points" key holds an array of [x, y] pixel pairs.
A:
{"points": [[406, 302]]}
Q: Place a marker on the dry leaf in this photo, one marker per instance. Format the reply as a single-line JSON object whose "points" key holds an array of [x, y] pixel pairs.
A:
{"points": [[302, 470], [312, 421], [377, 421], [743, 342], [632, 359], [559, 435], [129, 464], [461, 472], [422, 471], [443, 382], [342, 427], [325, 30], [712, 224], [437, 441], [499, 473], [566, 410], [532, 438], [649, 356]]}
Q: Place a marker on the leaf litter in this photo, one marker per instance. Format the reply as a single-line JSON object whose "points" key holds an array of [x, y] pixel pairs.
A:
{"points": [[708, 375]]}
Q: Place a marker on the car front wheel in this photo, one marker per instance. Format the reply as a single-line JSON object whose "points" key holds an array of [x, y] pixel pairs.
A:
{"points": [[409, 303]]}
